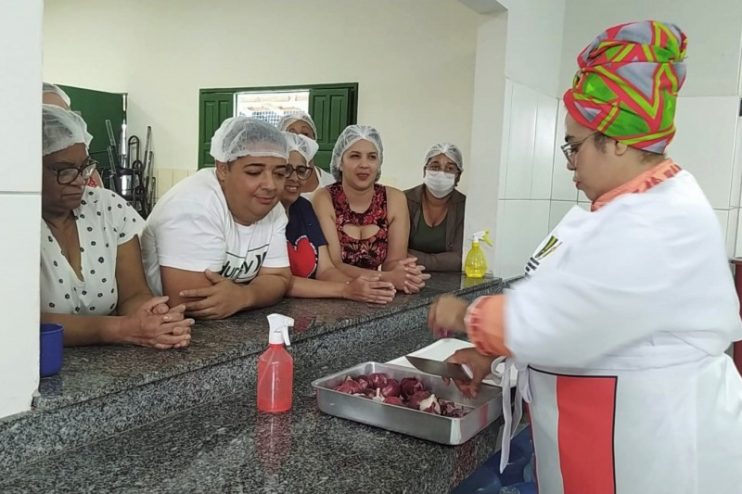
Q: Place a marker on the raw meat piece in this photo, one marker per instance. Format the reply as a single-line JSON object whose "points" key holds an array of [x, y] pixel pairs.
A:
{"points": [[377, 379], [410, 385], [391, 388], [430, 405]]}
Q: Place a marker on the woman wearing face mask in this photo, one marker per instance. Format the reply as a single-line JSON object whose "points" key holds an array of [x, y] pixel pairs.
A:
{"points": [[437, 211]]}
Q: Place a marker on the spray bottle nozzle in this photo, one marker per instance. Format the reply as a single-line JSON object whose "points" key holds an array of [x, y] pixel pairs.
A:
{"points": [[279, 329], [483, 236]]}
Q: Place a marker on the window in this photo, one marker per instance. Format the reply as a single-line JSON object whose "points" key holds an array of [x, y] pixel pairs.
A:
{"points": [[332, 106], [271, 106]]}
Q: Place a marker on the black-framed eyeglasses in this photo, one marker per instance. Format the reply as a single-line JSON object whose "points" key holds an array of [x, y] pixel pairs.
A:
{"points": [[69, 174], [302, 171], [570, 149]]}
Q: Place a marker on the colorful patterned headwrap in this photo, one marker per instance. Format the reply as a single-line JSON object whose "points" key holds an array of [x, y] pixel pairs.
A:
{"points": [[628, 83]]}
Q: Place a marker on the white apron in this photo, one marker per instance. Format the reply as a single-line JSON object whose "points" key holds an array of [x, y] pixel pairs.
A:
{"points": [[623, 360]]}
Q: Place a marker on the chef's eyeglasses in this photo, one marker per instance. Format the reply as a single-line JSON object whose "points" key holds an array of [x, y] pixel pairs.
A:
{"points": [[302, 172], [69, 174], [570, 149]]}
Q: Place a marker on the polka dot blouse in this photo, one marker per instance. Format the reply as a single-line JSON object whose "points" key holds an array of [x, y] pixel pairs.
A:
{"points": [[104, 221]]}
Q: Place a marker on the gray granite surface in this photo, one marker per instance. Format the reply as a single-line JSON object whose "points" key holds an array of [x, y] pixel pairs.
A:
{"points": [[229, 447], [105, 391], [91, 372]]}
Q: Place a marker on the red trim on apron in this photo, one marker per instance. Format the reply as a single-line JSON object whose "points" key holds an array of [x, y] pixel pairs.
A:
{"points": [[587, 408]]}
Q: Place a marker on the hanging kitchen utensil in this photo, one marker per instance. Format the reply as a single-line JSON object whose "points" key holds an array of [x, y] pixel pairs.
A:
{"points": [[147, 149], [123, 148], [111, 136], [133, 148], [112, 174]]}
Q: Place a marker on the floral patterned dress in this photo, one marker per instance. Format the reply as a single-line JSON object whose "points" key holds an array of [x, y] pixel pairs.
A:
{"points": [[368, 253]]}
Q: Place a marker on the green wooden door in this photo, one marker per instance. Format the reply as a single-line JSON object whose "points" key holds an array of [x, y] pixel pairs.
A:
{"points": [[332, 109], [214, 108], [96, 107]]}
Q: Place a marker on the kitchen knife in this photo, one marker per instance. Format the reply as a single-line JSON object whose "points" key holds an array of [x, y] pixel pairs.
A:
{"points": [[460, 372]]}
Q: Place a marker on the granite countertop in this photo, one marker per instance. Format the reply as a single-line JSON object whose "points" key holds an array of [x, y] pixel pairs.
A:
{"points": [[91, 372], [229, 447]]}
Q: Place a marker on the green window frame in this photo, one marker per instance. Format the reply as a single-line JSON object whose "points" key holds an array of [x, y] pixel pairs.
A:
{"points": [[96, 107], [332, 107]]}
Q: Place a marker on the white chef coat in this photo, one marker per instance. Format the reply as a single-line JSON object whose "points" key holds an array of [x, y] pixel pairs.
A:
{"points": [[623, 321]]}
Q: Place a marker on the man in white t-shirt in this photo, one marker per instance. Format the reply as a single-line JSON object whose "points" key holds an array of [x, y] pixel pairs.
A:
{"points": [[216, 240]]}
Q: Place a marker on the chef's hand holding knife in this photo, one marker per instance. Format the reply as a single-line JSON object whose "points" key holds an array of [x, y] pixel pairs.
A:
{"points": [[446, 318]]}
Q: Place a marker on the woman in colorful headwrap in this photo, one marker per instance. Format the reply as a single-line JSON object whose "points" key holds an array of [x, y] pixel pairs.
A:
{"points": [[620, 326]]}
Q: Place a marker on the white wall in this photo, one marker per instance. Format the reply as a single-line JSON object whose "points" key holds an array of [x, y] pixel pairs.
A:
{"points": [[709, 139], [20, 203], [413, 60], [513, 129], [543, 39], [487, 129]]}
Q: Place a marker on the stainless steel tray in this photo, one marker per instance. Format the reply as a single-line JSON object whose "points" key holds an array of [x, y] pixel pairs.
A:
{"points": [[486, 407]]}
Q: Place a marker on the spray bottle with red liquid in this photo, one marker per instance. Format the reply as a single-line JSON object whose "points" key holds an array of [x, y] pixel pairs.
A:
{"points": [[276, 368]]}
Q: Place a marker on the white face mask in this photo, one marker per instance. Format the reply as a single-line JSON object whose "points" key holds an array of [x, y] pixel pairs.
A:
{"points": [[440, 183]]}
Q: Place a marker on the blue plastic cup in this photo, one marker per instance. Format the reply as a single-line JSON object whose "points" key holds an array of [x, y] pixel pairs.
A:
{"points": [[51, 349]]}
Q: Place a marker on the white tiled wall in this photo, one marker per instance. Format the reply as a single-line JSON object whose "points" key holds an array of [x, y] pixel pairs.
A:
{"points": [[19, 298], [529, 143], [521, 226], [708, 144], [557, 210], [731, 232], [20, 209], [528, 168], [562, 186], [705, 143], [734, 200]]}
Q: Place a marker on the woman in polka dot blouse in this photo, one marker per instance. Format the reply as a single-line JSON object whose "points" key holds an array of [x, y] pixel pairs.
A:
{"points": [[92, 279]]}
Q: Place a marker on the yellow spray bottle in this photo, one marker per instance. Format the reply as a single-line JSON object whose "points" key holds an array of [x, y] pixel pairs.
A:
{"points": [[475, 265]]}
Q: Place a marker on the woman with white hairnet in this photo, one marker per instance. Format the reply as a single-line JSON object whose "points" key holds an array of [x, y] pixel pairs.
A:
{"points": [[366, 224], [301, 123], [437, 211], [217, 240], [51, 94], [314, 274], [92, 280]]}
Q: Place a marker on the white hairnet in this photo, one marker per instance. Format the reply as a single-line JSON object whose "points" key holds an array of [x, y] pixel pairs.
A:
{"points": [[349, 136], [451, 151], [53, 88], [290, 118], [244, 136], [301, 144], [61, 129]]}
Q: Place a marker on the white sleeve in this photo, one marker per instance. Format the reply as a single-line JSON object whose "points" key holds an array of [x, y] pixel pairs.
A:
{"points": [[189, 236], [126, 222], [277, 255], [607, 292]]}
